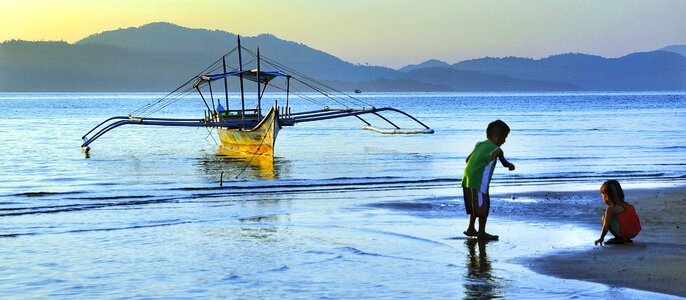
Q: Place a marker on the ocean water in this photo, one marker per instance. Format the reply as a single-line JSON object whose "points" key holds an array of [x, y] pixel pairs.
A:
{"points": [[341, 213]]}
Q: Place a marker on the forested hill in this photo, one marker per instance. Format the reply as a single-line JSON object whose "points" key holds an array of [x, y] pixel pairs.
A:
{"points": [[160, 56]]}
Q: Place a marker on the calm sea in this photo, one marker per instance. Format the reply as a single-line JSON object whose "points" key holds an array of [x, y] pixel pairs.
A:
{"points": [[341, 213]]}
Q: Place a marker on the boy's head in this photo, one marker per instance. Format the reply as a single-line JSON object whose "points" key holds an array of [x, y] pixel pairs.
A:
{"points": [[613, 191], [497, 132]]}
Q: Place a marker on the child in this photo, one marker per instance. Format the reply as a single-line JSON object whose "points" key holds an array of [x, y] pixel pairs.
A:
{"points": [[477, 176], [620, 217]]}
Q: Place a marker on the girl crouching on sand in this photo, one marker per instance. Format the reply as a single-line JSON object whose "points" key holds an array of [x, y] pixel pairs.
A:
{"points": [[620, 217]]}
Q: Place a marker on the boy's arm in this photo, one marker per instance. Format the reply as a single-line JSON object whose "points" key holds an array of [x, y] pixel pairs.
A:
{"points": [[607, 219], [498, 153]]}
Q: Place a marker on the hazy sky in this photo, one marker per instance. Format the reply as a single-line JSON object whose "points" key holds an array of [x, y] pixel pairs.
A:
{"points": [[388, 33]]}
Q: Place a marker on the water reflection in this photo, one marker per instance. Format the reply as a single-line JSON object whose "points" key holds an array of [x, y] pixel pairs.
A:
{"points": [[480, 282], [264, 227], [242, 165]]}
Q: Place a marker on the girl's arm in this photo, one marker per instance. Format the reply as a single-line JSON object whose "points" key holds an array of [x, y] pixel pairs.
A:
{"points": [[607, 219]]}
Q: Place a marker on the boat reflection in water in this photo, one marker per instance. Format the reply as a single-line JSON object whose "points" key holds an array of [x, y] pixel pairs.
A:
{"points": [[241, 165]]}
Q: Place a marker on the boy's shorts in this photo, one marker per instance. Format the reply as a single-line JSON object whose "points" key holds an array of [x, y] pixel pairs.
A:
{"points": [[476, 202]]}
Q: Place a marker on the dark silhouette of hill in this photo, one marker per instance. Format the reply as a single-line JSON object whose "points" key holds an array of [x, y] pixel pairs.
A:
{"points": [[161, 56], [153, 57], [472, 81], [431, 63], [681, 49], [58, 66], [201, 46], [657, 70]]}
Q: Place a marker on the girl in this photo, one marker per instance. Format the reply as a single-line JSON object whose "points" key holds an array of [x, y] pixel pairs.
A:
{"points": [[620, 217]]}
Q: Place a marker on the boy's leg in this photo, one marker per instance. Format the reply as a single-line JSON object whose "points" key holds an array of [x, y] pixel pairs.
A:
{"points": [[484, 206], [469, 208]]}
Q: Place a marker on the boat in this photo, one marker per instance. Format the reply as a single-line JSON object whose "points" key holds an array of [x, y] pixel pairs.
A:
{"points": [[245, 128]]}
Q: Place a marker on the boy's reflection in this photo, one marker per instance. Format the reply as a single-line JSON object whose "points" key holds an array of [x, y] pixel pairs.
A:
{"points": [[479, 282]]}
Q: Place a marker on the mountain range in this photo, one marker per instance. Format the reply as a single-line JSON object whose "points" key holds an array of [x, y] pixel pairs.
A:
{"points": [[160, 56]]}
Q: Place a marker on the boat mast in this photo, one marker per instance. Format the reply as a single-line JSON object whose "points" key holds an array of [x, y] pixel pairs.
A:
{"points": [[259, 96], [226, 85], [209, 84], [288, 90], [240, 74]]}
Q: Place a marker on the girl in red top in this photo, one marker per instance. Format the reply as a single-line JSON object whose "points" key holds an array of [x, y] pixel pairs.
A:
{"points": [[620, 217]]}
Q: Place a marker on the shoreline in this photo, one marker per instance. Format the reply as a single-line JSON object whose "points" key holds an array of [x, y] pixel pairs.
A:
{"points": [[655, 262]]}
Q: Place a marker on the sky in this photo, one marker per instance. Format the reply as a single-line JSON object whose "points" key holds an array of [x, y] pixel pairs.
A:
{"points": [[391, 33]]}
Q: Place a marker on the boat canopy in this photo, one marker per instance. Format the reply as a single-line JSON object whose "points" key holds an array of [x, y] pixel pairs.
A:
{"points": [[265, 76]]}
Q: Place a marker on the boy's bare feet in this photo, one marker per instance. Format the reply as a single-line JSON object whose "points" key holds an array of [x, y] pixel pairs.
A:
{"points": [[471, 232], [487, 237]]}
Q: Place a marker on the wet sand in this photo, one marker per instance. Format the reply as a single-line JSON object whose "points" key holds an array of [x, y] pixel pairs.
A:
{"points": [[656, 261]]}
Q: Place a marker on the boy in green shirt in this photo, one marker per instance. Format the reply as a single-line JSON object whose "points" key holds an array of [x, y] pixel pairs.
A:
{"points": [[477, 177]]}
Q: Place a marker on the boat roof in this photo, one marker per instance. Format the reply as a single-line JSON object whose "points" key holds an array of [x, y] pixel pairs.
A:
{"points": [[265, 76]]}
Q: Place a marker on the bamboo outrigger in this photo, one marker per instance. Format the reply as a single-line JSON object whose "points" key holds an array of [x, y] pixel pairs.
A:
{"points": [[248, 130]]}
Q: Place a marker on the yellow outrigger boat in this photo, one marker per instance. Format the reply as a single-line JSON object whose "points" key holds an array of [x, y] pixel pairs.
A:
{"points": [[259, 140], [248, 130]]}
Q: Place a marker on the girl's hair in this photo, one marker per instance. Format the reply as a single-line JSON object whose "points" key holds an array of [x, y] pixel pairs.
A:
{"points": [[613, 190]]}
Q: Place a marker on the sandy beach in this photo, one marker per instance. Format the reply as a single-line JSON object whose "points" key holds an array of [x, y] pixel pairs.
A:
{"points": [[656, 261]]}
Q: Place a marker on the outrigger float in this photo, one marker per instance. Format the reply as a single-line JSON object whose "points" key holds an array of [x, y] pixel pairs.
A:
{"points": [[247, 129]]}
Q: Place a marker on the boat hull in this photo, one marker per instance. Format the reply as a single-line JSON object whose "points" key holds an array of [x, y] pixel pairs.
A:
{"points": [[258, 140]]}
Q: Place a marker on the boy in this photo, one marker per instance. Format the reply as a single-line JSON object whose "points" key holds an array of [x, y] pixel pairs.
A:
{"points": [[477, 176]]}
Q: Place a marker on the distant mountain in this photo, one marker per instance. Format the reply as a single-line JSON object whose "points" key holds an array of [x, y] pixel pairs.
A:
{"points": [[153, 57], [58, 66], [202, 46], [657, 70], [427, 64], [473, 81], [681, 49], [160, 56]]}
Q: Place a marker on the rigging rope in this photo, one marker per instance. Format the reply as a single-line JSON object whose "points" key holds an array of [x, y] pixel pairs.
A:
{"points": [[209, 134], [270, 129], [186, 88], [150, 105], [301, 75]]}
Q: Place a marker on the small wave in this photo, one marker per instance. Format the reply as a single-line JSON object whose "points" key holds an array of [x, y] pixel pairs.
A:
{"points": [[111, 197], [157, 224], [319, 252], [369, 178], [259, 218], [280, 269], [357, 251], [106, 184], [334, 258], [77, 207], [43, 194], [13, 235], [231, 278], [581, 176], [409, 206], [364, 181], [559, 158]]}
